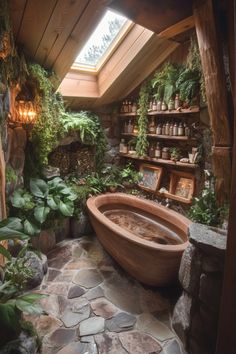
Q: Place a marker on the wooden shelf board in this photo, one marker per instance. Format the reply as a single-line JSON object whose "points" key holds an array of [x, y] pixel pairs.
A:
{"points": [[161, 113], [167, 137], [174, 197], [160, 161]]}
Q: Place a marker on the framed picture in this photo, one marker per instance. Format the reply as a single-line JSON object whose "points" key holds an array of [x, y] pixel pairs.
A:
{"points": [[151, 177], [182, 186]]}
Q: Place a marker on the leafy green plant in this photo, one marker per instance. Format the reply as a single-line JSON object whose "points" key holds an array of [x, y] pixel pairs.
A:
{"points": [[11, 175], [129, 174], [174, 154], [46, 202], [88, 126], [47, 128], [164, 82], [205, 209], [142, 141]]}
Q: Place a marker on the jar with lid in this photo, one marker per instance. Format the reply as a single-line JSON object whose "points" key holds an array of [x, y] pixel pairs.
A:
{"points": [[152, 126], [151, 151], [130, 127], [175, 129], [163, 106], [165, 153], [158, 151], [180, 129], [186, 130], [159, 130], [171, 104]]}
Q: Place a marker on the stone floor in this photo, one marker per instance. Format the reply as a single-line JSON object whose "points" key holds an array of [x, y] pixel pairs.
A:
{"points": [[95, 308]]}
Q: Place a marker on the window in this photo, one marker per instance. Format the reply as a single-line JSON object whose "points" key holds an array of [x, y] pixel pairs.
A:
{"points": [[101, 41]]}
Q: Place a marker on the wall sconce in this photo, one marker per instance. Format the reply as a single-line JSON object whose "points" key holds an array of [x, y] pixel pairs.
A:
{"points": [[25, 112]]}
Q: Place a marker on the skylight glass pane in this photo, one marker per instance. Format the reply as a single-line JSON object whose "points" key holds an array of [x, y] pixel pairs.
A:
{"points": [[101, 39]]}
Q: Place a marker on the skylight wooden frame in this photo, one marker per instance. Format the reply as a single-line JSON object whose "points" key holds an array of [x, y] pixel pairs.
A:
{"points": [[108, 53]]}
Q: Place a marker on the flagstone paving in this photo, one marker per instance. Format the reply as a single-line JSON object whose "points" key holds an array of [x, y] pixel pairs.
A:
{"points": [[94, 307]]}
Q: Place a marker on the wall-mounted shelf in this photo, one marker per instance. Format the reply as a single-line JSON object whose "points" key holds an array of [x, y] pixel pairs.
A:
{"points": [[167, 137], [163, 113], [160, 161]]}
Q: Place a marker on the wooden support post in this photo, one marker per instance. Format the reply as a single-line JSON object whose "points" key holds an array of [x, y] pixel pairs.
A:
{"points": [[3, 213], [227, 319], [216, 93]]}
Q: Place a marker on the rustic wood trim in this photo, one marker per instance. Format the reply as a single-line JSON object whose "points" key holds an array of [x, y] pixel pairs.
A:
{"points": [[178, 28], [3, 212], [227, 319], [212, 65]]}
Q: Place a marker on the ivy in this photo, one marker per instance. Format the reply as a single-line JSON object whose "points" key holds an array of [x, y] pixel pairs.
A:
{"points": [[142, 141]]}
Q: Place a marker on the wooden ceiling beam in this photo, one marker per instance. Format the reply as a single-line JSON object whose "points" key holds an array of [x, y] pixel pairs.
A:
{"points": [[178, 28]]}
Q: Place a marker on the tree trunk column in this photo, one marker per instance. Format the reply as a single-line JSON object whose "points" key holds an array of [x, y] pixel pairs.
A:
{"points": [[216, 93]]}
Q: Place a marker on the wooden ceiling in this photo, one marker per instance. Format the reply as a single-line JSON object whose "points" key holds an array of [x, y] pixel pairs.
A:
{"points": [[52, 32]]}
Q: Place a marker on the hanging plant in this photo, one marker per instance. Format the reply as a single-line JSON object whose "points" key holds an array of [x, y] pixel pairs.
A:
{"points": [[47, 128], [142, 141]]}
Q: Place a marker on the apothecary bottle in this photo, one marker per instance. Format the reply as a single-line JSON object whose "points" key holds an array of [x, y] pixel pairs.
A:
{"points": [[134, 107], [159, 130], [167, 129], [171, 105], [180, 129], [171, 129], [152, 151], [154, 105], [177, 102], [158, 151], [163, 106], [130, 127], [165, 153], [163, 129], [152, 126], [159, 105], [175, 129], [123, 148]]}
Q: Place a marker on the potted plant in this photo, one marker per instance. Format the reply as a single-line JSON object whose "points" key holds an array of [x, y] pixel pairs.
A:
{"points": [[175, 154], [129, 176]]}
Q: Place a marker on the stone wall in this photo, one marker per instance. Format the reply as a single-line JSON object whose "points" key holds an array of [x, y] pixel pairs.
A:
{"points": [[195, 317]]}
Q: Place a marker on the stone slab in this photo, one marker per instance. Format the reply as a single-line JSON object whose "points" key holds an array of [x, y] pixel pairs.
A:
{"points": [[88, 278], [79, 348], [150, 325], [71, 318], [92, 325], [104, 308], [139, 343], [109, 343], [75, 291], [121, 322]]}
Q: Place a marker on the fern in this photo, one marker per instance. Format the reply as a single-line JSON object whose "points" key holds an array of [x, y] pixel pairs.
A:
{"points": [[142, 142]]}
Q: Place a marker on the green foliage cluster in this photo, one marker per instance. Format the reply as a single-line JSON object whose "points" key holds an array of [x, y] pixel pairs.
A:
{"points": [[205, 209], [46, 202], [11, 175], [14, 275], [88, 126], [47, 128], [186, 80], [142, 141]]}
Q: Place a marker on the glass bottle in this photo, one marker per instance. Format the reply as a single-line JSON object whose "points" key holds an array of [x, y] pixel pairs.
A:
{"points": [[159, 130], [130, 107], [186, 130], [121, 147], [165, 153], [130, 127], [152, 151], [126, 127], [167, 129], [171, 105], [134, 107], [180, 129], [158, 151], [159, 105], [163, 129], [175, 129], [177, 103], [171, 129], [152, 126], [154, 105], [163, 106]]}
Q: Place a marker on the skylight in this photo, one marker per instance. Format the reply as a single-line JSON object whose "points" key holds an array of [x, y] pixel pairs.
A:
{"points": [[101, 39]]}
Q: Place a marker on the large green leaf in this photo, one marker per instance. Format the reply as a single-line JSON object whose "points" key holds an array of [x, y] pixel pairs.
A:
{"points": [[30, 228], [28, 307], [41, 213], [17, 199], [32, 297], [12, 228], [38, 187], [9, 316], [5, 252], [55, 182], [66, 209], [52, 202]]}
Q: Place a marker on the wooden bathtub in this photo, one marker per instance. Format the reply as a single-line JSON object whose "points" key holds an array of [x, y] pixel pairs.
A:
{"points": [[149, 262]]}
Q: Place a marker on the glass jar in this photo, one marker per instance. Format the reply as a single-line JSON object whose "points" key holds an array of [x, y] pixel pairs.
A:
{"points": [[165, 153], [134, 107], [171, 105], [175, 129], [159, 130], [180, 129]]}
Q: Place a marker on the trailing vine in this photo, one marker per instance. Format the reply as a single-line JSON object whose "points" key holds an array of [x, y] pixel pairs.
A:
{"points": [[47, 128], [142, 141]]}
